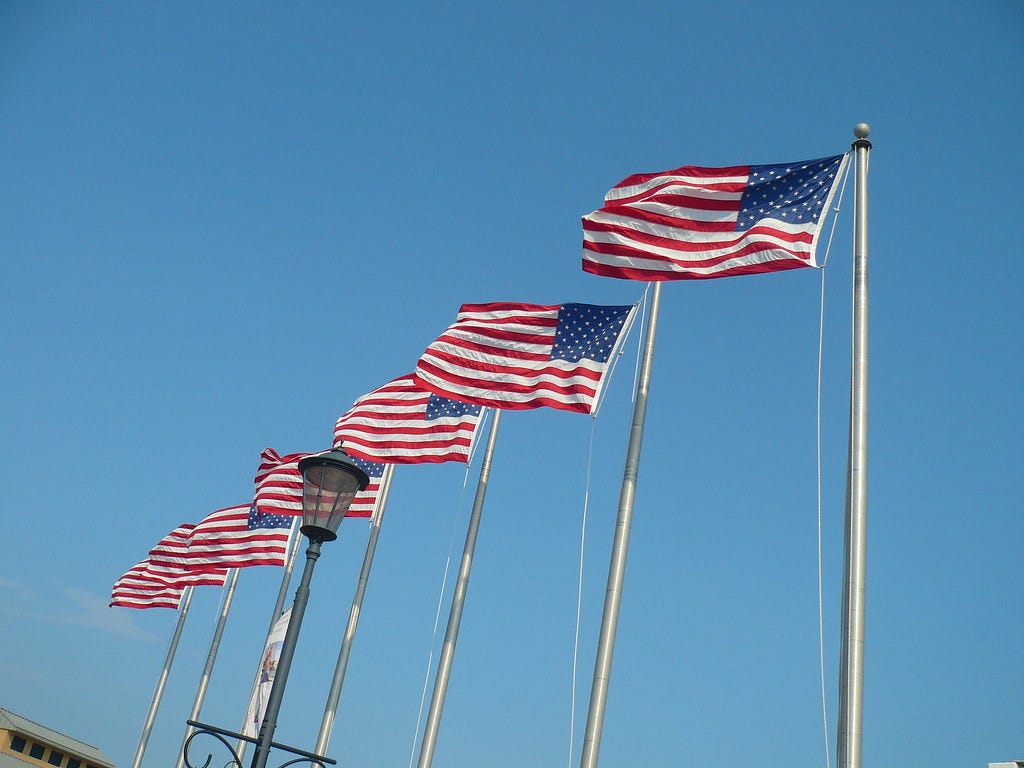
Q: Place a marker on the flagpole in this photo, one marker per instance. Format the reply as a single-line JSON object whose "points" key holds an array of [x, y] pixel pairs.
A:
{"points": [[161, 682], [444, 664], [211, 658], [282, 594], [620, 546], [851, 671], [331, 708], [286, 577]]}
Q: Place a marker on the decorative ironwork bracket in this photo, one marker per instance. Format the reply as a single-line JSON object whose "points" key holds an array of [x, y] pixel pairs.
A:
{"points": [[222, 735]]}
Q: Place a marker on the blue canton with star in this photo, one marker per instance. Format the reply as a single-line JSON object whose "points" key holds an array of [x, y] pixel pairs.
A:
{"points": [[371, 468], [441, 407], [587, 331], [259, 519], [794, 192]]}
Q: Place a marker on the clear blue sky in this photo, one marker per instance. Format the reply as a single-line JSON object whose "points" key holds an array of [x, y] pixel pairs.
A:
{"points": [[222, 223]]}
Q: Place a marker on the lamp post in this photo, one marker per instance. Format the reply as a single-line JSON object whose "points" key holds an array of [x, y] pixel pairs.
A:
{"points": [[330, 480]]}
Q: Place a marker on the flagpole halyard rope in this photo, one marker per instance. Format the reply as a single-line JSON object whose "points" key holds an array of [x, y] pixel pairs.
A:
{"points": [[583, 525], [821, 337], [440, 596], [473, 443], [613, 360], [835, 220], [579, 591]]}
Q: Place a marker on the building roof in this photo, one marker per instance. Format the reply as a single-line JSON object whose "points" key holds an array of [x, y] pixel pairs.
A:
{"points": [[15, 722]]}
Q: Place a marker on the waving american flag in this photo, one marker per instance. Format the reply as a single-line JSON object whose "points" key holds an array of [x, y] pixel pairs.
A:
{"points": [[401, 423], [517, 356], [692, 223]]}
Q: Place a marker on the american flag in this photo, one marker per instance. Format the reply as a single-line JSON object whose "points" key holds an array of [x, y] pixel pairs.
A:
{"points": [[136, 590], [517, 356], [279, 485], [400, 423], [365, 502], [157, 583], [168, 561], [239, 537], [172, 550], [694, 223], [178, 576]]}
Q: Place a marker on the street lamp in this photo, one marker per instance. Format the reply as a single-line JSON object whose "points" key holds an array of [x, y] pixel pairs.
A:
{"points": [[330, 480]]}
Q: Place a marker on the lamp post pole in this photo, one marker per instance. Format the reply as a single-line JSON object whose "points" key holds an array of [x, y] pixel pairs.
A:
{"points": [[330, 480], [269, 725]]}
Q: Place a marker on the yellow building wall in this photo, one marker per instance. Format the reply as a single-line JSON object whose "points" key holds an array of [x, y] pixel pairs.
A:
{"points": [[6, 736]]}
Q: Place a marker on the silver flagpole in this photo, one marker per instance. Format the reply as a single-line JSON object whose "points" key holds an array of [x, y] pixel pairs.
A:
{"points": [[158, 694], [286, 578], [331, 708], [851, 671], [444, 664], [282, 595], [211, 658], [620, 546]]}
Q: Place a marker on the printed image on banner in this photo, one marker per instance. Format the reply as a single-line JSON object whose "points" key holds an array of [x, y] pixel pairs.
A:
{"points": [[694, 223], [260, 696], [401, 423], [518, 356]]}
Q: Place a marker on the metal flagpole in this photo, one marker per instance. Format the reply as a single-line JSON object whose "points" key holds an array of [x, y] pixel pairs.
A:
{"points": [[444, 664], [282, 594], [620, 546], [286, 578], [331, 708], [851, 671], [161, 682], [211, 658]]}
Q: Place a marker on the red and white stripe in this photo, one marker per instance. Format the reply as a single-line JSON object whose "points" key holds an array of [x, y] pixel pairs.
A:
{"points": [[169, 560], [172, 550], [279, 483], [223, 540], [146, 585], [145, 594], [178, 576]]}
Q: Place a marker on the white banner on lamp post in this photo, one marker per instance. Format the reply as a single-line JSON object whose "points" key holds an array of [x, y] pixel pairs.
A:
{"points": [[265, 679]]}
